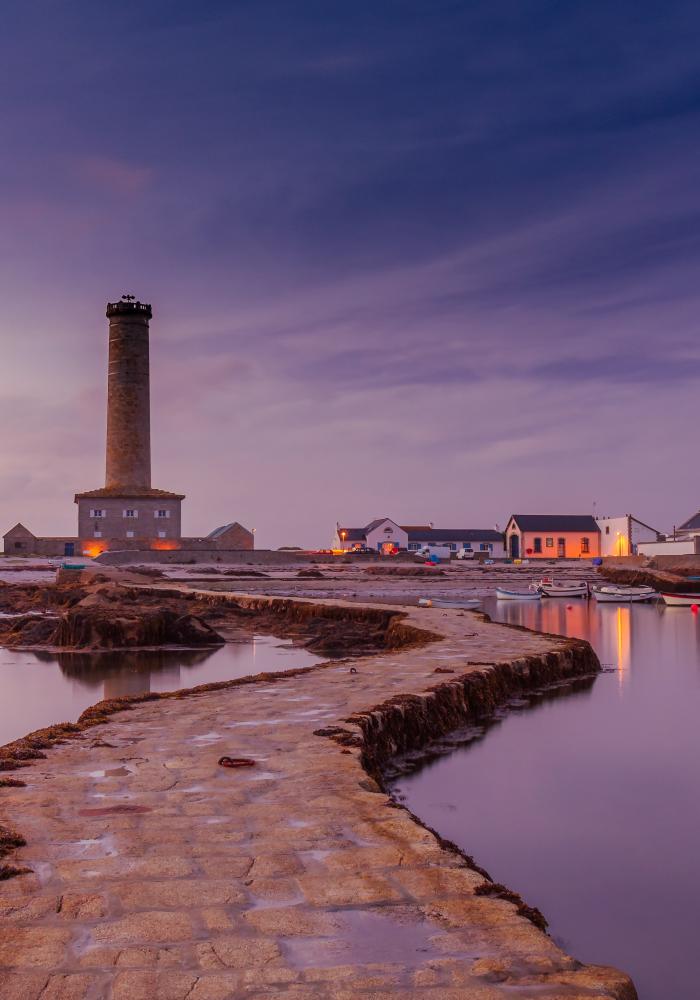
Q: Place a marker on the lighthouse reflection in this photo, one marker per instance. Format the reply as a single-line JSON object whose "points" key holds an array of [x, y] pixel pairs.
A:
{"points": [[128, 673], [39, 688]]}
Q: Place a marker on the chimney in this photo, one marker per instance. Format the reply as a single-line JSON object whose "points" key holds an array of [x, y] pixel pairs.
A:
{"points": [[128, 396]]}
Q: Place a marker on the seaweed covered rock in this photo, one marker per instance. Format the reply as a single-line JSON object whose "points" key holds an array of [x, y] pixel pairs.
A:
{"points": [[100, 628], [28, 630]]}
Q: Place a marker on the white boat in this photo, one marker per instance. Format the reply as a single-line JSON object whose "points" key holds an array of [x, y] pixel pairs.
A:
{"points": [[681, 600], [624, 594], [562, 588], [434, 602], [517, 595]]}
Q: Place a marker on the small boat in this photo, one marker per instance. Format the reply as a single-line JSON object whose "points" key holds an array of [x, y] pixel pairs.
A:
{"points": [[434, 602], [562, 588], [624, 594], [681, 600], [517, 595]]}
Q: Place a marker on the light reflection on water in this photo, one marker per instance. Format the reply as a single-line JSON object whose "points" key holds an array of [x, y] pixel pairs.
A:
{"points": [[40, 688], [587, 800]]}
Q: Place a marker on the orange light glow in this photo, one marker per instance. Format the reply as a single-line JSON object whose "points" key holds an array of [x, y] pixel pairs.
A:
{"points": [[164, 545]]}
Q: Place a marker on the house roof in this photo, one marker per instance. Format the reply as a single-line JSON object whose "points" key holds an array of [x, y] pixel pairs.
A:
{"points": [[375, 524], [352, 534], [556, 522], [691, 524], [19, 531], [454, 535], [217, 532], [122, 493]]}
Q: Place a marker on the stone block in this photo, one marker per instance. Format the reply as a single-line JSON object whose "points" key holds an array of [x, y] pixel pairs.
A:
{"points": [[361, 859], [27, 947], [69, 987], [368, 887], [153, 984], [276, 864], [272, 889], [22, 986], [28, 907], [434, 883], [225, 867], [155, 925], [178, 893], [293, 921], [238, 953], [82, 906], [221, 987]]}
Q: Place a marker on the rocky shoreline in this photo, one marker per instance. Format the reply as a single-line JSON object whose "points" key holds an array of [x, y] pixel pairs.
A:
{"points": [[155, 873]]}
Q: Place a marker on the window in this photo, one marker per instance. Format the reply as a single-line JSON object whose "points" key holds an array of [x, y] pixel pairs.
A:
{"points": [[483, 547], [98, 513], [161, 513], [607, 529], [98, 534], [129, 534], [161, 534], [130, 513], [453, 546], [549, 542], [414, 546], [388, 531], [20, 545], [537, 544], [585, 542]]}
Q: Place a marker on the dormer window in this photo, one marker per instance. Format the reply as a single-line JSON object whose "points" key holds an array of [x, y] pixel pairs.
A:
{"points": [[130, 513]]}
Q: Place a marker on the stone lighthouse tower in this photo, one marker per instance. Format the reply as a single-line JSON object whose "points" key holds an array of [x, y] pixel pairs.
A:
{"points": [[128, 397], [128, 513]]}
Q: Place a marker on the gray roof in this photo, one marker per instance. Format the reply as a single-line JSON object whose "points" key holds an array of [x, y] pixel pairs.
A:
{"points": [[352, 534], [222, 530], [556, 522], [454, 535], [691, 524]]}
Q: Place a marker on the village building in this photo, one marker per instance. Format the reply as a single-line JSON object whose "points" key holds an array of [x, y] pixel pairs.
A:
{"points": [[385, 535], [482, 541], [381, 535], [553, 536], [621, 536]]}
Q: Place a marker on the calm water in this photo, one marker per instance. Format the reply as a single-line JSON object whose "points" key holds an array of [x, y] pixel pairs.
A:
{"points": [[39, 689], [587, 800]]}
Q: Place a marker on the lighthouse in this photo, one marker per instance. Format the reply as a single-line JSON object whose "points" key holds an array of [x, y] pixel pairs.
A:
{"points": [[128, 512]]}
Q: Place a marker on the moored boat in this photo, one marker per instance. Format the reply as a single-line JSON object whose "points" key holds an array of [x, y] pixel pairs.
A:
{"points": [[562, 588], [518, 595], [623, 594], [681, 600], [435, 602]]}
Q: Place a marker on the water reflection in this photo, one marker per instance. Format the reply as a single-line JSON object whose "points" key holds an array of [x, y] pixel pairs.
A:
{"points": [[589, 805], [40, 688]]}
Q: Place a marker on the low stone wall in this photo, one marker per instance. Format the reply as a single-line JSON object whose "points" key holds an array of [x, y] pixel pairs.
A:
{"points": [[157, 875]]}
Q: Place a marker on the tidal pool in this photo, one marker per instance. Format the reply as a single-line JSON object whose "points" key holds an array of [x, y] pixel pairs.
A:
{"points": [[38, 688], [586, 799]]}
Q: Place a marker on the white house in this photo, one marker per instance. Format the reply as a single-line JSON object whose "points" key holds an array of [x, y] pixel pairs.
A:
{"points": [[382, 535], [486, 541], [621, 536]]}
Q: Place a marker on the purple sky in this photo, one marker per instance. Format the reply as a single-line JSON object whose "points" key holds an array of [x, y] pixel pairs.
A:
{"points": [[432, 261]]}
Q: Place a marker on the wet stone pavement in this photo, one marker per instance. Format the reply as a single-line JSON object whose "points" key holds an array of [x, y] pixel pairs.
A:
{"points": [[158, 875]]}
